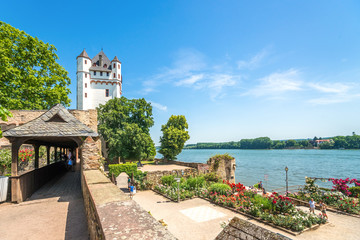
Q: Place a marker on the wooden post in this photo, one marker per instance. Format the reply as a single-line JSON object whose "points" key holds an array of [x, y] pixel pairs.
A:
{"points": [[48, 155], [77, 154], [55, 153], [15, 185], [36, 147]]}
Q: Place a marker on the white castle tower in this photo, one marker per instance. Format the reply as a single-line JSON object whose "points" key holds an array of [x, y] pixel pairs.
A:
{"points": [[98, 80]]}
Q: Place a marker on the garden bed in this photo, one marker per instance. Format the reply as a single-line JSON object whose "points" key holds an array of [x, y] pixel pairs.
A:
{"points": [[300, 202], [313, 227], [275, 210]]}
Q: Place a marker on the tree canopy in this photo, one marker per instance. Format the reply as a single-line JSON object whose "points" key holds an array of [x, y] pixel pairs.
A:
{"points": [[30, 77], [174, 136], [4, 113], [124, 124]]}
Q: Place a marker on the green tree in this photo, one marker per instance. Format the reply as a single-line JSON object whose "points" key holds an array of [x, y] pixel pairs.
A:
{"points": [[124, 124], [30, 77], [4, 113], [174, 136]]}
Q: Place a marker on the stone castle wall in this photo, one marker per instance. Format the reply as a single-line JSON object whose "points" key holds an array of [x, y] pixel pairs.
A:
{"points": [[239, 229], [155, 177], [224, 168]]}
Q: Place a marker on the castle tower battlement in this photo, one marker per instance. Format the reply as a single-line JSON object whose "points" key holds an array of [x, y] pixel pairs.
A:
{"points": [[98, 80]]}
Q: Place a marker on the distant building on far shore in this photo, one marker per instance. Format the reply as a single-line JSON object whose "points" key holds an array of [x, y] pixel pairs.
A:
{"points": [[318, 142], [98, 80]]}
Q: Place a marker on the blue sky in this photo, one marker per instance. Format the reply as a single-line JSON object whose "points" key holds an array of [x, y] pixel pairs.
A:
{"points": [[235, 69]]}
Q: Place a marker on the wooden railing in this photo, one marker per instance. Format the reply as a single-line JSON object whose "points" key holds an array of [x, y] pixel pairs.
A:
{"points": [[25, 184]]}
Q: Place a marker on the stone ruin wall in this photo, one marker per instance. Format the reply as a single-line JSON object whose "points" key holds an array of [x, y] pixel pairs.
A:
{"points": [[155, 177], [239, 229], [224, 168], [88, 117]]}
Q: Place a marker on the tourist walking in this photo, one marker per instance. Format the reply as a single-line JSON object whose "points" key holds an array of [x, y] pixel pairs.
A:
{"points": [[69, 163], [312, 206], [260, 186], [132, 187], [323, 209]]}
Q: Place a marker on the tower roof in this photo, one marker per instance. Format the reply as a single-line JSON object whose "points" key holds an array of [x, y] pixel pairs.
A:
{"points": [[83, 54], [116, 59], [97, 66]]}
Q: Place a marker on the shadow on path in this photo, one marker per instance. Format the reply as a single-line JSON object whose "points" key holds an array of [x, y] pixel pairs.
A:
{"points": [[67, 188]]}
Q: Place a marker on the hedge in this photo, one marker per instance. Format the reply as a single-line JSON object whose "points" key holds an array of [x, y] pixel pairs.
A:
{"points": [[127, 168]]}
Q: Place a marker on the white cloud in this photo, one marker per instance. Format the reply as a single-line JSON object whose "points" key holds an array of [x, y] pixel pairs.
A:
{"points": [[334, 93], [158, 106], [190, 81], [190, 69], [254, 62], [277, 83], [334, 99], [330, 88]]}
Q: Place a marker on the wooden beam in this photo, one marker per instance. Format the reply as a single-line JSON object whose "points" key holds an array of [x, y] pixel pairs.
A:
{"points": [[15, 184], [36, 147], [48, 155]]}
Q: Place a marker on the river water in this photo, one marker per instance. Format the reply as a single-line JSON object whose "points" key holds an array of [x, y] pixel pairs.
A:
{"points": [[269, 165]]}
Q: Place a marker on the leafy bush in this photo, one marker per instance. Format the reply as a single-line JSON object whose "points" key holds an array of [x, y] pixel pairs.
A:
{"points": [[211, 177], [167, 180], [127, 168], [5, 161], [261, 201], [195, 183], [355, 191], [220, 188]]}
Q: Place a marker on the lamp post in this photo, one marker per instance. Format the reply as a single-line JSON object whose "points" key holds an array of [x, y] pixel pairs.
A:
{"points": [[178, 191], [286, 170]]}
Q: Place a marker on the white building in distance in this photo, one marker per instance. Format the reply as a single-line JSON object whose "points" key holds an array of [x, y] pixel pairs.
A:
{"points": [[98, 80]]}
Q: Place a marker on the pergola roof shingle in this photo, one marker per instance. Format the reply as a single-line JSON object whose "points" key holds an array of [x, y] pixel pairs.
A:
{"points": [[57, 122]]}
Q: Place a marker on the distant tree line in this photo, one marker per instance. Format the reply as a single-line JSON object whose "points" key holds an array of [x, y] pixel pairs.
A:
{"points": [[339, 142]]}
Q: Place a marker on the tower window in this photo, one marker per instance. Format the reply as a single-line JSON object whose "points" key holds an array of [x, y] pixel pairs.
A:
{"points": [[119, 66], [118, 75], [114, 65], [114, 75], [107, 74], [86, 95], [85, 75], [106, 92], [85, 62], [100, 73], [94, 73], [85, 86]]}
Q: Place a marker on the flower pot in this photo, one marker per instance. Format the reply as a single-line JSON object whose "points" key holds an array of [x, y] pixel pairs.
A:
{"points": [[3, 188]]}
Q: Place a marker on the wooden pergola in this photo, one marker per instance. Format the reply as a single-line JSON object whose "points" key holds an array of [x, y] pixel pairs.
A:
{"points": [[55, 128]]}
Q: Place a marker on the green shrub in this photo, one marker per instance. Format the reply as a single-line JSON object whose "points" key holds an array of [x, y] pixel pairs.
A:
{"points": [[194, 183], [220, 188], [5, 161], [355, 191], [127, 168], [211, 177], [261, 201], [167, 180]]}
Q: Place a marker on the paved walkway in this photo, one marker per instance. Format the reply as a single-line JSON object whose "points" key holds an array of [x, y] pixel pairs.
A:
{"points": [[198, 219], [162, 167], [56, 211]]}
